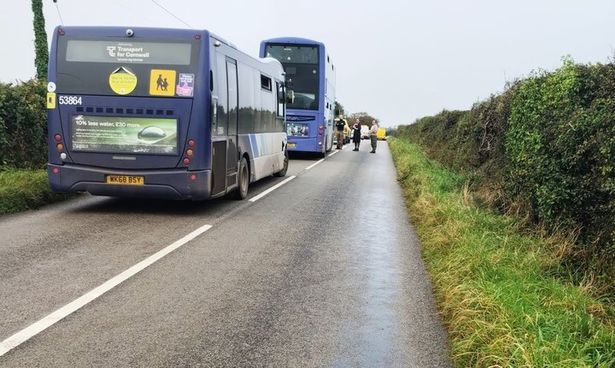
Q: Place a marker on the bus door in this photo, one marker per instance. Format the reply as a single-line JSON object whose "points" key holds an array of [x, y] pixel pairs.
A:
{"points": [[219, 129], [232, 154]]}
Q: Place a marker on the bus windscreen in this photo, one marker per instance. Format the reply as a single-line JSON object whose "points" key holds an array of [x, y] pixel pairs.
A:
{"points": [[302, 73]]}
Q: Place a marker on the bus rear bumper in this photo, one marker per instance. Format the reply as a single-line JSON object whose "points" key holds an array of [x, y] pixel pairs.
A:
{"points": [[163, 184], [305, 144]]}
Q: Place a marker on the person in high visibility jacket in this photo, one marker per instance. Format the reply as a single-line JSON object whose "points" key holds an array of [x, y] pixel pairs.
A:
{"points": [[340, 125]]}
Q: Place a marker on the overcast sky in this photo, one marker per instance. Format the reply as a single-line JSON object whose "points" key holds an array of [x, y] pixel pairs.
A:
{"points": [[395, 59]]}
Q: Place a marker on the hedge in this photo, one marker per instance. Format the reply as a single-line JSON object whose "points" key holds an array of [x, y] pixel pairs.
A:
{"points": [[545, 147], [23, 125]]}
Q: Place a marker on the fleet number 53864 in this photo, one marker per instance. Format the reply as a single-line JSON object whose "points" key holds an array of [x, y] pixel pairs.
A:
{"points": [[69, 100]]}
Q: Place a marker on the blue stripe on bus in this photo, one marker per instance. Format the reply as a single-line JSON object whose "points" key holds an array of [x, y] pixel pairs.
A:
{"points": [[254, 146]]}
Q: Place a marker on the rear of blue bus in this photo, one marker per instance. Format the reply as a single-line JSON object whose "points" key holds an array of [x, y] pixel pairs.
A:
{"points": [[127, 112], [306, 125]]}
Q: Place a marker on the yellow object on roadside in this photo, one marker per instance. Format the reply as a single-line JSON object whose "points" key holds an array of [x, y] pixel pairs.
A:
{"points": [[382, 134]]}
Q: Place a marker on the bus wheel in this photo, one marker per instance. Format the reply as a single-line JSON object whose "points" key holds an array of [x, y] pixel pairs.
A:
{"points": [[243, 180], [285, 168]]}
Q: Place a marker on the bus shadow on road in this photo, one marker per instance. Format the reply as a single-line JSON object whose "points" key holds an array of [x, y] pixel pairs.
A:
{"points": [[144, 206], [148, 206], [304, 156]]}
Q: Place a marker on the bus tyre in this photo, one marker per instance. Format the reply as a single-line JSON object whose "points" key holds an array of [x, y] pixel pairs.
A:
{"points": [[285, 168], [243, 180]]}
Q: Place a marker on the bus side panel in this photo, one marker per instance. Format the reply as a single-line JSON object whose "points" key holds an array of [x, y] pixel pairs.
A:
{"points": [[266, 151], [327, 90], [261, 135]]}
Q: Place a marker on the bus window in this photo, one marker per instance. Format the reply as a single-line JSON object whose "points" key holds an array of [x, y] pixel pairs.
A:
{"points": [[84, 65], [221, 122], [302, 73], [231, 78], [265, 82], [281, 99]]}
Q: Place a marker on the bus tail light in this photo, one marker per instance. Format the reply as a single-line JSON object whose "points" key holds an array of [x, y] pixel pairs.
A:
{"points": [[58, 137], [189, 152], [192, 177], [55, 170], [60, 147], [321, 130]]}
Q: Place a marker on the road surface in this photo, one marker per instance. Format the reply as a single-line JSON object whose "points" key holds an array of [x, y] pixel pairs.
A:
{"points": [[323, 271]]}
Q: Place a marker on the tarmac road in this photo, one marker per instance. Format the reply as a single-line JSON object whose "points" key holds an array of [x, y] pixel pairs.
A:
{"points": [[324, 271]]}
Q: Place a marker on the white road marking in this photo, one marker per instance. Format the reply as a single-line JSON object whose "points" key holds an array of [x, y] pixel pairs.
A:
{"points": [[333, 153], [315, 163], [261, 195], [48, 321]]}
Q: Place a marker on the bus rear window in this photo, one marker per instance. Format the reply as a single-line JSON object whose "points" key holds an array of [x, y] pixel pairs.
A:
{"points": [[91, 51]]}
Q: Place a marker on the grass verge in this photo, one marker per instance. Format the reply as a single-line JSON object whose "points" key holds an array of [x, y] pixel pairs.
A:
{"points": [[21, 190], [494, 284]]}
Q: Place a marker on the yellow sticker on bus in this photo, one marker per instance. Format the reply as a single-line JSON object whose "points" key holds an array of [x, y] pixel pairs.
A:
{"points": [[51, 100], [162, 82], [122, 81]]}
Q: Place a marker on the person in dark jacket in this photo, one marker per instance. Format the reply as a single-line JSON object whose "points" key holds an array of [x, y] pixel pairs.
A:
{"points": [[356, 135]]}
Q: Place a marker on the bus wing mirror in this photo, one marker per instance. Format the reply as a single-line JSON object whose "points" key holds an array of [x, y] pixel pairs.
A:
{"points": [[290, 96]]}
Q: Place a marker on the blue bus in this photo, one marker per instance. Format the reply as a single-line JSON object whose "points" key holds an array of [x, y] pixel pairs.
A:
{"points": [[310, 75], [163, 113]]}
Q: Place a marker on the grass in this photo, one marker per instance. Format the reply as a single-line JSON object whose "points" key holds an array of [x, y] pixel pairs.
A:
{"points": [[494, 282], [21, 190]]}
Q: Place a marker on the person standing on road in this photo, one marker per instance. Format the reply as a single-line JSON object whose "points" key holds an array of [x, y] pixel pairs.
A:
{"points": [[340, 125], [356, 135], [373, 136]]}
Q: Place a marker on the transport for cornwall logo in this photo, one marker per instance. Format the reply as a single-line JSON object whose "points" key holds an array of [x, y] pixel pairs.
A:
{"points": [[112, 51]]}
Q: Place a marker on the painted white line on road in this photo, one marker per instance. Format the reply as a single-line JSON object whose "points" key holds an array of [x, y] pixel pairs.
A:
{"points": [[48, 321], [261, 195], [333, 153], [315, 163]]}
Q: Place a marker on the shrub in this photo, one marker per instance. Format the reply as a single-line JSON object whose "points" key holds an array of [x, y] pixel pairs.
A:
{"points": [[547, 145], [23, 125], [561, 149]]}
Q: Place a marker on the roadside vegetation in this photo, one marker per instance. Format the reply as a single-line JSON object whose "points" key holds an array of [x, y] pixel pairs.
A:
{"points": [[544, 151], [496, 281], [23, 139], [22, 189], [23, 133]]}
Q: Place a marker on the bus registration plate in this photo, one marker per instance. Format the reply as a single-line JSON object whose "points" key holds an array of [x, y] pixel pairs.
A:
{"points": [[125, 180], [292, 145]]}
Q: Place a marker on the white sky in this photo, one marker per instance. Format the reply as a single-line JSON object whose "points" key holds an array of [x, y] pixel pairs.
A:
{"points": [[395, 59]]}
